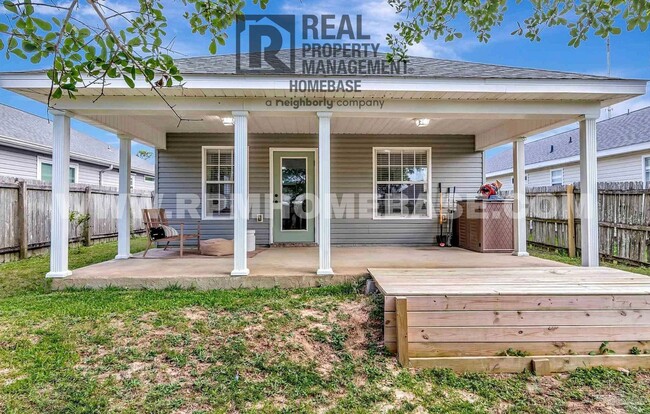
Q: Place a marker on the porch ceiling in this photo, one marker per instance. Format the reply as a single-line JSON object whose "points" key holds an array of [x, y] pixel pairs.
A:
{"points": [[493, 130]]}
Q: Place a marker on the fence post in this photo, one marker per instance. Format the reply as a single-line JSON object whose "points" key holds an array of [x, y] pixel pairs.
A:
{"points": [[22, 220], [571, 221], [88, 232]]}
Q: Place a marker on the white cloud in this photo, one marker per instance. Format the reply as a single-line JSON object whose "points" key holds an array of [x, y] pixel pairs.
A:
{"points": [[378, 20]]}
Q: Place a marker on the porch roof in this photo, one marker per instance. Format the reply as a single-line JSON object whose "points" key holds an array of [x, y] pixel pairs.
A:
{"points": [[495, 103]]}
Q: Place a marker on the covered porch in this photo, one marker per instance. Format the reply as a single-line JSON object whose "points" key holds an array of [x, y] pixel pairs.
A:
{"points": [[449, 115], [289, 267]]}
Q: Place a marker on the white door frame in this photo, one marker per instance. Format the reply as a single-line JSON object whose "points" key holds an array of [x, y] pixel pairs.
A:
{"points": [[289, 149]]}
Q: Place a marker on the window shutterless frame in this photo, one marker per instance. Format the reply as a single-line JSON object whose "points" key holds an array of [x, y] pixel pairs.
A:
{"points": [[561, 171], [645, 169], [40, 161], [375, 151], [204, 182]]}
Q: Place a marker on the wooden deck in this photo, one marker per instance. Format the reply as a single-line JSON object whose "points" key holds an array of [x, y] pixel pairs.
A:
{"points": [[560, 318]]}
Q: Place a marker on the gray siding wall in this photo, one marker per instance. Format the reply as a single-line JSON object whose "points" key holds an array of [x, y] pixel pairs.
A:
{"points": [[18, 163], [627, 167], [453, 158]]}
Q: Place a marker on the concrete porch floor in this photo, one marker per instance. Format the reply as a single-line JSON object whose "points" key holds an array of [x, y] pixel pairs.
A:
{"points": [[282, 267]]}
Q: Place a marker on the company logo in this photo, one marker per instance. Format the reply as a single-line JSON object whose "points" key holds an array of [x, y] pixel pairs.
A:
{"points": [[271, 41]]}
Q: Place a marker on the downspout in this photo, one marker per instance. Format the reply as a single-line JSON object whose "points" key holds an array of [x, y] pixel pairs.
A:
{"points": [[101, 174]]}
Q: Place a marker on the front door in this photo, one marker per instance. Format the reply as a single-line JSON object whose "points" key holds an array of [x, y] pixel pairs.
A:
{"points": [[293, 196]]}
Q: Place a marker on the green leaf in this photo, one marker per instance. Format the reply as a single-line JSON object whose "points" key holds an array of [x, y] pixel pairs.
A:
{"points": [[213, 47], [129, 81], [9, 5], [36, 58], [42, 24], [57, 93]]}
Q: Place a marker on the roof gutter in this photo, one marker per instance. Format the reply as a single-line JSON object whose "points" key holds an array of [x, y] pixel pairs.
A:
{"points": [[21, 144]]}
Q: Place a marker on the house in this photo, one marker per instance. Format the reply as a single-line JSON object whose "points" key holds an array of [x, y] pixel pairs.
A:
{"points": [[26, 152], [343, 172], [623, 154], [321, 165]]}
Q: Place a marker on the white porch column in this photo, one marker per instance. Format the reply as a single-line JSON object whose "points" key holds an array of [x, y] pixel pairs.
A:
{"points": [[324, 200], [60, 195], [241, 192], [124, 200], [588, 192], [519, 207]]}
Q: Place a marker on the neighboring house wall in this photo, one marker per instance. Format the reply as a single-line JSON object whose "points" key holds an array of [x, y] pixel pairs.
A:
{"points": [[18, 163], [453, 161], [23, 164], [627, 167]]}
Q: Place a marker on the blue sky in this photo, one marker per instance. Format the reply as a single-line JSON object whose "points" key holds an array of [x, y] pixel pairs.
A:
{"points": [[630, 51]]}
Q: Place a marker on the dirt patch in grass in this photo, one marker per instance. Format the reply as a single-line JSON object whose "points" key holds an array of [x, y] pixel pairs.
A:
{"points": [[257, 351]]}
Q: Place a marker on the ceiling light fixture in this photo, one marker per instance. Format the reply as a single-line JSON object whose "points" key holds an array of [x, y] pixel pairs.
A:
{"points": [[421, 122], [227, 121]]}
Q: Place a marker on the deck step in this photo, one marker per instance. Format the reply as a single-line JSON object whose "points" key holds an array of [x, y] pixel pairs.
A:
{"points": [[476, 319]]}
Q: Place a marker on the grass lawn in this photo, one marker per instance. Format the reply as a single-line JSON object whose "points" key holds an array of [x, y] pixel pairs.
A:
{"points": [[267, 350], [561, 256]]}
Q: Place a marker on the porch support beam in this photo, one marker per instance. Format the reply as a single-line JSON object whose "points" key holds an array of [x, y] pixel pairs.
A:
{"points": [[324, 197], [241, 193], [588, 192], [124, 200], [519, 207], [60, 196]]}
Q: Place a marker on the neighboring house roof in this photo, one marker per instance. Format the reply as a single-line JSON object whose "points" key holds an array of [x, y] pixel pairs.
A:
{"points": [[618, 132], [416, 67], [27, 131]]}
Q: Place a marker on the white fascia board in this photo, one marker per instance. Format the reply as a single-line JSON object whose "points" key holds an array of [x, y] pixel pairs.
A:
{"points": [[145, 105], [576, 158], [44, 149], [420, 84]]}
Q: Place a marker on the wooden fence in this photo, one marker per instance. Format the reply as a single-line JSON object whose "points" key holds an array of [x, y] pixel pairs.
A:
{"points": [[553, 218], [25, 211]]}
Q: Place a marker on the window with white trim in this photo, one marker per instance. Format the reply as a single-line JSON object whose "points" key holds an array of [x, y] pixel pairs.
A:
{"points": [[402, 183], [557, 177], [646, 171], [132, 182], [218, 182], [45, 172]]}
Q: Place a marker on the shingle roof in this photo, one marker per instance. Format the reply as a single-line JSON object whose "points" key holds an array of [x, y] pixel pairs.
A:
{"points": [[23, 126], [416, 67], [620, 131]]}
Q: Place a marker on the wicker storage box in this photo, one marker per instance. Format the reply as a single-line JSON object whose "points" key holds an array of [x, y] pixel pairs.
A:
{"points": [[217, 247]]}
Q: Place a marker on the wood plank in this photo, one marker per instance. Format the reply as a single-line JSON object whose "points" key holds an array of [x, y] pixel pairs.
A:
{"points": [[490, 272], [402, 331], [524, 318], [23, 214], [529, 334], [449, 349], [524, 289], [571, 223], [557, 363], [541, 366], [522, 302]]}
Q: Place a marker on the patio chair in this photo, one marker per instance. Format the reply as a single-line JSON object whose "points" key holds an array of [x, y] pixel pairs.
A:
{"points": [[155, 218]]}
